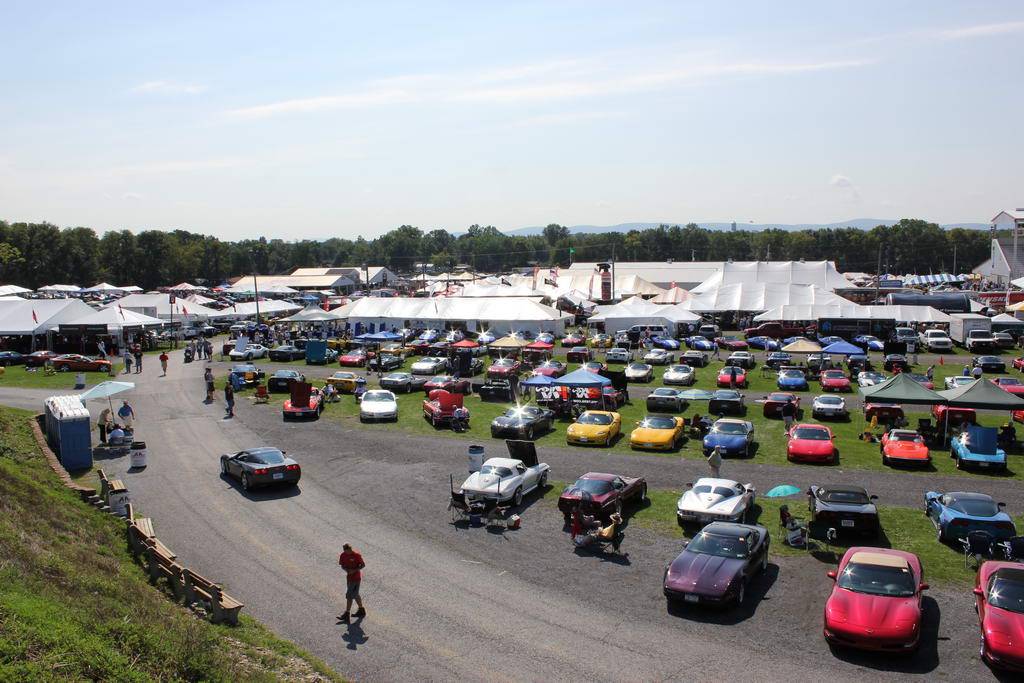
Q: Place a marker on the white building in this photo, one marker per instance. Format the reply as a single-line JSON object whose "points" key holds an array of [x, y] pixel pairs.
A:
{"points": [[1007, 261]]}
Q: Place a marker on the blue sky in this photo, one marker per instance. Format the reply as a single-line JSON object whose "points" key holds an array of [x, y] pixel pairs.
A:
{"points": [[319, 119]]}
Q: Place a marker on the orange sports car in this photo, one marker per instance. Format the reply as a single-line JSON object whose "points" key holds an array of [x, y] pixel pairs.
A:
{"points": [[904, 447], [78, 363]]}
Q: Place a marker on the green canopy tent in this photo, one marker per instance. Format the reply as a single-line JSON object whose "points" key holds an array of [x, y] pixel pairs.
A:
{"points": [[900, 388], [981, 395]]}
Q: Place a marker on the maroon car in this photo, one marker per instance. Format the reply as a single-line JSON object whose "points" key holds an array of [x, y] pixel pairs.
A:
{"points": [[731, 343], [449, 383], [578, 354], [716, 566], [419, 346], [37, 358], [612, 398], [595, 366], [550, 368], [505, 367], [601, 494], [572, 339]]}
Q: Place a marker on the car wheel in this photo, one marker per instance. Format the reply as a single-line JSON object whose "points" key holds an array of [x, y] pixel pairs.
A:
{"points": [[223, 467], [835, 457], [517, 497], [642, 498], [529, 434], [764, 561], [741, 593], [543, 481], [246, 484], [885, 460], [959, 464], [64, 368], [940, 534]]}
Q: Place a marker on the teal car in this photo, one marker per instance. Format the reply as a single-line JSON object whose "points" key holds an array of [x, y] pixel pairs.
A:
{"points": [[977, 447]]}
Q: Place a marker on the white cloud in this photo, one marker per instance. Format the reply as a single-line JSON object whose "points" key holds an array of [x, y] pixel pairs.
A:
{"points": [[131, 196], [847, 186], [984, 30], [169, 88], [840, 181], [330, 102]]}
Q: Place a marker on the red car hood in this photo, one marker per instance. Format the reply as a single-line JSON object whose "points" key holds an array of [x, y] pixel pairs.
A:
{"points": [[836, 382], [500, 370], [906, 449], [872, 611], [810, 447], [700, 573]]}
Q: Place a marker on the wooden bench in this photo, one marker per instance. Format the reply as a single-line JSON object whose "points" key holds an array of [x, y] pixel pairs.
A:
{"points": [[222, 607], [162, 566]]}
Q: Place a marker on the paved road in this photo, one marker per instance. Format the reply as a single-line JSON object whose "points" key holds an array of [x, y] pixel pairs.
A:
{"points": [[446, 601]]}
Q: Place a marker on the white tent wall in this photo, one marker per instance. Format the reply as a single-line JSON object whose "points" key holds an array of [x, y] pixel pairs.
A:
{"points": [[16, 317], [802, 312], [820, 273], [501, 315], [760, 296], [160, 306]]}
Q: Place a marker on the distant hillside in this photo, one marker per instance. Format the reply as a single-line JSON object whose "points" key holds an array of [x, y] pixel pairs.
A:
{"points": [[860, 223]]}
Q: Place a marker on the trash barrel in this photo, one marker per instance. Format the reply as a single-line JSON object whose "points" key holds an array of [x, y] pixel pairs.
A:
{"points": [[138, 454], [118, 499], [476, 458], [80, 380]]}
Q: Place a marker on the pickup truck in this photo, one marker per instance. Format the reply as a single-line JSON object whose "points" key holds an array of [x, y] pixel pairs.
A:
{"points": [[775, 331], [936, 340], [978, 340]]}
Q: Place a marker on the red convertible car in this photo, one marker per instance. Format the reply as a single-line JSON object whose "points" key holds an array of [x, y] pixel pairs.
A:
{"points": [[601, 494], [904, 447], [303, 402], [811, 443], [449, 383], [1011, 384], [876, 602], [505, 367], [353, 358], [957, 416], [835, 380], [774, 401], [550, 368], [999, 601], [732, 375], [73, 361], [731, 343]]}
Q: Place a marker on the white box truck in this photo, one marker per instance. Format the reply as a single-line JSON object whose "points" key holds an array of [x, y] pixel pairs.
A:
{"points": [[971, 331]]}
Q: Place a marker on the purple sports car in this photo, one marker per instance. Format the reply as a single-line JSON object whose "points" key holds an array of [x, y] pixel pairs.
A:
{"points": [[716, 566]]}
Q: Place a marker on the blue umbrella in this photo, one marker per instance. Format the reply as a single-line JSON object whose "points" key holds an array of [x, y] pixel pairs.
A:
{"points": [[379, 337], [696, 395], [782, 491], [842, 348]]}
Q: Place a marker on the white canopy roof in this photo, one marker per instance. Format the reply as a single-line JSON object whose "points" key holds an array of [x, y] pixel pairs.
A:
{"points": [[103, 287], [60, 288], [820, 273], [131, 288], [186, 287], [266, 308], [641, 311], [761, 296], [38, 316], [12, 289], [116, 319], [473, 289], [913, 314], [311, 314], [589, 283], [160, 306], [498, 314], [673, 295], [269, 288], [200, 299], [1005, 318]]}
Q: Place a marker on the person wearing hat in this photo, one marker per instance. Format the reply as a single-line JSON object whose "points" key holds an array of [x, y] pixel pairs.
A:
{"points": [[1007, 436], [360, 389]]}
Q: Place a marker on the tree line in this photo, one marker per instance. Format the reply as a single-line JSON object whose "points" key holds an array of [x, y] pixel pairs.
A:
{"points": [[37, 254]]}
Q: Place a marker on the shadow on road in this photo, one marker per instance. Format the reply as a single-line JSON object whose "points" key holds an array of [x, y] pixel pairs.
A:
{"points": [[924, 660], [354, 634], [265, 493], [757, 592]]}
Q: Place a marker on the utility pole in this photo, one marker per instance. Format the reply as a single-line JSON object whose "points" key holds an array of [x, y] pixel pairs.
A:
{"points": [[693, 255], [768, 254], [954, 258], [878, 273]]}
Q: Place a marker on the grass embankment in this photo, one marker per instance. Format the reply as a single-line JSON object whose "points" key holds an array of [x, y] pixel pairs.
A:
{"points": [[75, 606]]}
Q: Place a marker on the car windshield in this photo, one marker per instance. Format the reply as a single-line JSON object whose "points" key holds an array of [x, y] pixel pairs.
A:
{"points": [[579, 349], [976, 508], [504, 362], [777, 398], [718, 545], [810, 433], [593, 365], [680, 368], [658, 422], [1006, 590], [596, 487], [551, 364], [727, 395], [792, 374], [664, 392], [718, 490], [850, 497], [913, 437], [830, 400], [496, 470], [989, 359], [833, 374], [377, 396], [638, 366], [267, 457], [523, 411], [873, 579], [729, 428], [343, 375], [286, 373], [594, 419], [398, 376], [872, 375], [441, 379], [1008, 381]]}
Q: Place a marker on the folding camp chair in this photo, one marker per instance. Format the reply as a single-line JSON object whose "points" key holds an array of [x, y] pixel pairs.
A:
{"points": [[1013, 548], [459, 506], [977, 544], [261, 395]]}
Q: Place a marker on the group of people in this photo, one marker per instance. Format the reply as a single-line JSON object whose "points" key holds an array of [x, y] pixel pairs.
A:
{"points": [[199, 349], [115, 432], [132, 355], [586, 529]]}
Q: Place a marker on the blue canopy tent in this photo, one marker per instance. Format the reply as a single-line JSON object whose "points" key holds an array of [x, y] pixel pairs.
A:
{"points": [[842, 348], [377, 337], [537, 381], [581, 378]]}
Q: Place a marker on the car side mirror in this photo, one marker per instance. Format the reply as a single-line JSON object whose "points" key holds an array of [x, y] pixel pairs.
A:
{"points": [[925, 586], [980, 593], [284, 452], [832, 575], [873, 497], [1002, 505], [685, 543], [689, 484]]}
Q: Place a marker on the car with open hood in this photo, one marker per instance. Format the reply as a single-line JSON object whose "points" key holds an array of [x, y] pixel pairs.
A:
{"points": [[978, 446], [717, 565], [505, 480], [711, 499], [304, 401]]}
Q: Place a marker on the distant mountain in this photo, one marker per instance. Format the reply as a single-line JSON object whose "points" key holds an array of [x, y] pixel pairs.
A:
{"points": [[860, 223]]}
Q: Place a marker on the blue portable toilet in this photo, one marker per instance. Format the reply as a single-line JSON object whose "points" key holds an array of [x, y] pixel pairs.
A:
{"points": [[68, 431]]}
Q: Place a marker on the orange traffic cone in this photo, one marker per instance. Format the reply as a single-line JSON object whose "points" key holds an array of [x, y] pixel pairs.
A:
{"points": [[942, 360]]}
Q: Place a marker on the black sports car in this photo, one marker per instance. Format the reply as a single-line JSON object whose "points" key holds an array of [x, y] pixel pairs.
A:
{"points": [[262, 466], [496, 389], [695, 359], [286, 352], [728, 402], [716, 566], [990, 364], [845, 508], [385, 363], [247, 370], [282, 380], [523, 422], [776, 359], [11, 358], [666, 399]]}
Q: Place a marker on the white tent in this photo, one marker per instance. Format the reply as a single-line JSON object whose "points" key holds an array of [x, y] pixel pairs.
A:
{"points": [[909, 314], [270, 308], [589, 283], [635, 311], [473, 289], [40, 315], [60, 288], [200, 299], [244, 288], [186, 287], [6, 290], [118, 319], [673, 295], [160, 306], [475, 314], [760, 296], [11, 297], [105, 288], [820, 273], [311, 314]]}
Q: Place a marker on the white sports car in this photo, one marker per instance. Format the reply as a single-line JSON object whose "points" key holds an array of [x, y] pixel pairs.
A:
{"points": [[957, 381], [617, 356], [829, 406], [378, 404], [679, 374], [870, 378], [659, 357], [505, 480], [639, 372], [743, 359], [715, 500], [429, 365], [250, 352]]}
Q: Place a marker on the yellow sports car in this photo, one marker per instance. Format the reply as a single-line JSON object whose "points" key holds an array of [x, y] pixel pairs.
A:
{"points": [[337, 344], [594, 427], [657, 433], [601, 341], [398, 350], [344, 381]]}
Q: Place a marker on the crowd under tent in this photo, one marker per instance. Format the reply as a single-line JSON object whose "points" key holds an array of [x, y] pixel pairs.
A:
{"points": [[821, 274], [160, 306], [474, 314], [761, 296]]}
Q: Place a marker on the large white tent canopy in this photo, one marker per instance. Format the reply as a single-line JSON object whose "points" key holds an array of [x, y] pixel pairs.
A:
{"points": [[271, 308], [117, 320], [473, 289], [822, 274], [909, 314], [7, 290], [60, 288], [636, 311], [312, 314], [589, 283], [160, 306], [18, 317], [104, 288], [760, 296], [476, 314]]}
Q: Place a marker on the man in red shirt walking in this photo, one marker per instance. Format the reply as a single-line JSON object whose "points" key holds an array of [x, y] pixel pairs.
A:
{"points": [[352, 563]]}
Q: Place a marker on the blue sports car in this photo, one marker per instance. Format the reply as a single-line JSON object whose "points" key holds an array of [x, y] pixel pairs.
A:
{"points": [[700, 343], [976, 446], [790, 340], [430, 335], [736, 437], [792, 380], [485, 338], [764, 343], [956, 514], [869, 342], [665, 343], [825, 341]]}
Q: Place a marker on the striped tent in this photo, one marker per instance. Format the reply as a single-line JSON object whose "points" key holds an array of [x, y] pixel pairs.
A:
{"points": [[932, 279]]}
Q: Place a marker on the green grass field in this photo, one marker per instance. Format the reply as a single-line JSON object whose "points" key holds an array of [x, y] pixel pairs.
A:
{"points": [[75, 606], [18, 376]]}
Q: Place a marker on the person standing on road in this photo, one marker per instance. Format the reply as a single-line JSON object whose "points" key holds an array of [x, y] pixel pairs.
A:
{"points": [[229, 399], [104, 424], [163, 362], [208, 378], [352, 563], [137, 352], [208, 350], [788, 415], [715, 462], [125, 414]]}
